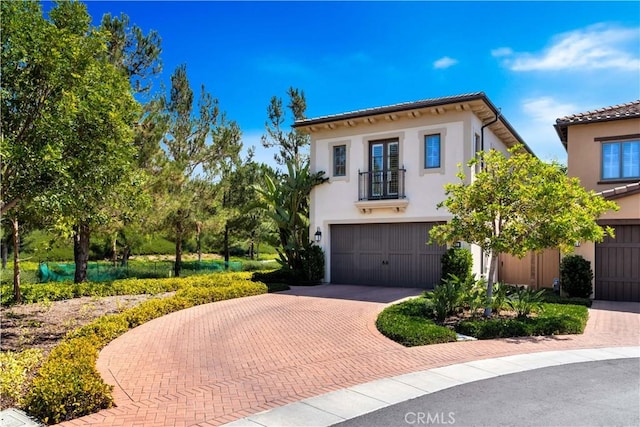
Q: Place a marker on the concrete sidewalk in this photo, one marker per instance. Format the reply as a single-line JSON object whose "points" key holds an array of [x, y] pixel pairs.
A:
{"points": [[338, 406], [220, 362]]}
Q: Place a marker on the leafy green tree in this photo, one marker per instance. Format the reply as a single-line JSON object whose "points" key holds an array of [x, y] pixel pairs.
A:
{"points": [[290, 143], [41, 62], [67, 118], [519, 204], [197, 148]]}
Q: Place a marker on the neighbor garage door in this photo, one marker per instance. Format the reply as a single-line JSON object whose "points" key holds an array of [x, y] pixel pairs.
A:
{"points": [[385, 255], [618, 265]]}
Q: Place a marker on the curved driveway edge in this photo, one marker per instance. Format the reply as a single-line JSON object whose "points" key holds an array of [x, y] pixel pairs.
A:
{"points": [[338, 406], [220, 362]]}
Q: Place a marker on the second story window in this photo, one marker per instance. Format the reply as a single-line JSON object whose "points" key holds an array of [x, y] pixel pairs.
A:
{"points": [[621, 160], [432, 151], [339, 160]]}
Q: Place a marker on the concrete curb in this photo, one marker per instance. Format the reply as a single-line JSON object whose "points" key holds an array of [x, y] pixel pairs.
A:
{"points": [[337, 406]]}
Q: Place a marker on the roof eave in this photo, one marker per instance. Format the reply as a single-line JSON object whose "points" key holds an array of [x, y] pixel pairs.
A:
{"points": [[479, 96]]}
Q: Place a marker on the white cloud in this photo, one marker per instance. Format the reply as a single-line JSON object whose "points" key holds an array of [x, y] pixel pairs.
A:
{"points": [[501, 51], [595, 47], [444, 62], [283, 66], [535, 125], [546, 110]]}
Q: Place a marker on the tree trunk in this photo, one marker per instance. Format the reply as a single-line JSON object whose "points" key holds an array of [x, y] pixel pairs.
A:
{"points": [[198, 241], [126, 252], [115, 250], [17, 295], [226, 247], [81, 251], [251, 251], [493, 267], [178, 264], [5, 252]]}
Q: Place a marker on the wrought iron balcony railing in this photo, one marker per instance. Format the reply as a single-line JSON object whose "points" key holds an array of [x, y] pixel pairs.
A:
{"points": [[382, 184]]}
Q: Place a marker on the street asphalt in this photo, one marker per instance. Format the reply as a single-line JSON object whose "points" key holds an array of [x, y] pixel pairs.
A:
{"points": [[603, 393], [581, 387]]}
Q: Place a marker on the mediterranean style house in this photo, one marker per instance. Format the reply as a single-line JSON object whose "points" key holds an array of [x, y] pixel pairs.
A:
{"points": [[387, 167], [603, 150]]}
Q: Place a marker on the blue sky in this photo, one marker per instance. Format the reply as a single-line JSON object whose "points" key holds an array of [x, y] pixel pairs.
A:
{"points": [[537, 61]]}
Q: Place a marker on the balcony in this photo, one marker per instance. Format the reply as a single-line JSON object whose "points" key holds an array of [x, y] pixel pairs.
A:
{"points": [[383, 189]]}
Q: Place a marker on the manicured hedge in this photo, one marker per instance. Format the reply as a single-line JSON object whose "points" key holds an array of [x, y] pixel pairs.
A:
{"points": [[68, 385], [58, 291], [554, 319], [407, 324]]}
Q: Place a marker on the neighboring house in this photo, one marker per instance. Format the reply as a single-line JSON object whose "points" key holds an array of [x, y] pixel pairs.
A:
{"points": [[603, 148], [387, 167]]}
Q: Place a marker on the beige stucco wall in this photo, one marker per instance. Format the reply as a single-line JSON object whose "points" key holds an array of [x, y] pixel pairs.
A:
{"points": [[584, 152], [335, 201], [584, 162], [629, 208]]}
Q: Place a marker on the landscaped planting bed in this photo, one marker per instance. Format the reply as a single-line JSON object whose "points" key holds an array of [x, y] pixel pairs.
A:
{"points": [[413, 322], [67, 384]]}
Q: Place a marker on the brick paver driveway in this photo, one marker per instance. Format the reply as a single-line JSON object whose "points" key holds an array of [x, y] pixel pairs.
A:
{"points": [[218, 362]]}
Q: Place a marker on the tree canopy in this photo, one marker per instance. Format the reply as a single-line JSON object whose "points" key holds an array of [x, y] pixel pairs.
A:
{"points": [[518, 204]]}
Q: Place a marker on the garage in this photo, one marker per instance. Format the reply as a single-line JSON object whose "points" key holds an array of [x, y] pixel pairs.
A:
{"points": [[385, 255], [617, 270]]}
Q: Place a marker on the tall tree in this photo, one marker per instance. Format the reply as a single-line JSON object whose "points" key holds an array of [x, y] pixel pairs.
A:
{"points": [[138, 56], [67, 116], [290, 143], [197, 147], [518, 204]]}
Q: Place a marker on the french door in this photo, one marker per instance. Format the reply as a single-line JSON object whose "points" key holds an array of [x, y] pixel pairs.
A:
{"points": [[384, 163]]}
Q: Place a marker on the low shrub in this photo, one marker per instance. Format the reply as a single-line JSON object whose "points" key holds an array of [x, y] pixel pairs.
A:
{"points": [[446, 297], [277, 287], [14, 367], [313, 263], [457, 262], [68, 386], [551, 297], [407, 324], [524, 301], [576, 276], [554, 319], [57, 291]]}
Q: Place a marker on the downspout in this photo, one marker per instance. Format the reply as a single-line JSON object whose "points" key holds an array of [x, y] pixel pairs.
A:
{"points": [[484, 126]]}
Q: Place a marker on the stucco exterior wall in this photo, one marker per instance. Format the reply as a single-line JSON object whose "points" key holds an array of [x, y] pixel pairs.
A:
{"points": [[335, 202], [584, 161], [584, 152]]}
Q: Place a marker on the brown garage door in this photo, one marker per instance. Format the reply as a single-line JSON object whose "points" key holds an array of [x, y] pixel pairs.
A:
{"points": [[385, 255], [618, 265]]}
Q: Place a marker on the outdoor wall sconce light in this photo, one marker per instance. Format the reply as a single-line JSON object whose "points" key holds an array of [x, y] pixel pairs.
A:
{"points": [[318, 235], [457, 245], [576, 244]]}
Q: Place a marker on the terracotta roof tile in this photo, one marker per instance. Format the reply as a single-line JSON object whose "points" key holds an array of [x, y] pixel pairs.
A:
{"points": [[615, 112], [622, 191], [630, 110]]}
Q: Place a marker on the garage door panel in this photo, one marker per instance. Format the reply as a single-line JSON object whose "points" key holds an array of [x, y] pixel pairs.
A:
{"points": [[341, 264], [617, 265], [370, 269], [431, 272], [385, 254], [401, 269]]}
